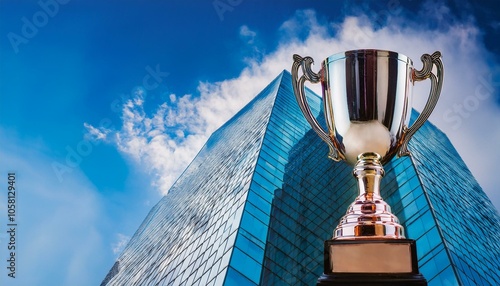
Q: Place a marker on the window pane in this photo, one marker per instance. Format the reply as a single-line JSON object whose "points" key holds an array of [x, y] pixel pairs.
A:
{"points": [[234, 278], [246, 265]]}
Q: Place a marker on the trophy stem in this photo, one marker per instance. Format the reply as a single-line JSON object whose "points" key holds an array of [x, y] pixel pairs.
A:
{"points": [[369, 216], [369, 172]]}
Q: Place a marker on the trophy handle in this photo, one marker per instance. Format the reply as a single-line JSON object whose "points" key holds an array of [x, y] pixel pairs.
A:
{"points": [[298, 90], [436, 84]]}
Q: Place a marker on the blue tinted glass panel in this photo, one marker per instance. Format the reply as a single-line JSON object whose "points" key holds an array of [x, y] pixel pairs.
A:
{"points": [[254, 226], [259, 214], [250, 248], [445, 278], [246, 265], [259, 202], [234, 278]]}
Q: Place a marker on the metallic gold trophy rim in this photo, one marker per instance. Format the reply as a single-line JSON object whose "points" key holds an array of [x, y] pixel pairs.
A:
{"points": [[369, 217]]}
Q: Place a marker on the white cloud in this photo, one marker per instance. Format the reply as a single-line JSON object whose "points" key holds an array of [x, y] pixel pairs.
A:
{"points": [[96, 133], [173, 98], [182, 126], [253, 48], [247, 34], [120, 244]]}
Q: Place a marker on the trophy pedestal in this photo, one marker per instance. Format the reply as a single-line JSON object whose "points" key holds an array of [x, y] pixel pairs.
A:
{"points": [[371, 262]]}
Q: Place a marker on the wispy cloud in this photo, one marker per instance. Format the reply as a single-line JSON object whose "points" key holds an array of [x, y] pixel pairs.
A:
{"points": [[96, 133], [120, 244], [253, 48], [247, 34], [166, 141]]}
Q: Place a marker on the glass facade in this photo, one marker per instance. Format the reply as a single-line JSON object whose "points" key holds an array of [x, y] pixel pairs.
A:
{"points": [[256, 204]]}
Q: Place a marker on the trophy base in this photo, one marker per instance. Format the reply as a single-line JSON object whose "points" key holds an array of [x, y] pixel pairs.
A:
{"points": [[371, 262]]}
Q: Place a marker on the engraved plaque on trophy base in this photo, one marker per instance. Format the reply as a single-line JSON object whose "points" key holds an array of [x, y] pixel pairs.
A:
{"points": [[371, 262]]}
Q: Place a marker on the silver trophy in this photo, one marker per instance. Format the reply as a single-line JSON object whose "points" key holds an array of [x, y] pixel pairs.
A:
{"points": [[367, 97]]}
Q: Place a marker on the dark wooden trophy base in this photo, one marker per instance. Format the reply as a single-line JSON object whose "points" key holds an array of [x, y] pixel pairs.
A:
{"points": [[371, 262]]}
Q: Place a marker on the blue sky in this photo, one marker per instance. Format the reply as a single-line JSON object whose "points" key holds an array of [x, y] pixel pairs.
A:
{"points": [[102, 105]]}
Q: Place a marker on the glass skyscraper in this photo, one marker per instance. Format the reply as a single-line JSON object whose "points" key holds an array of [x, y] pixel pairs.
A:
{"points": [[256, 204]]}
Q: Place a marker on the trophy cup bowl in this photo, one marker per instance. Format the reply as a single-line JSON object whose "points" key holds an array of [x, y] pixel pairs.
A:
{"points": [[367, 97]]}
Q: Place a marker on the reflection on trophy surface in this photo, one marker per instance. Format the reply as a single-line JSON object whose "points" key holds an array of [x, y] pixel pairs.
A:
{"points": [[367, 97]]}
